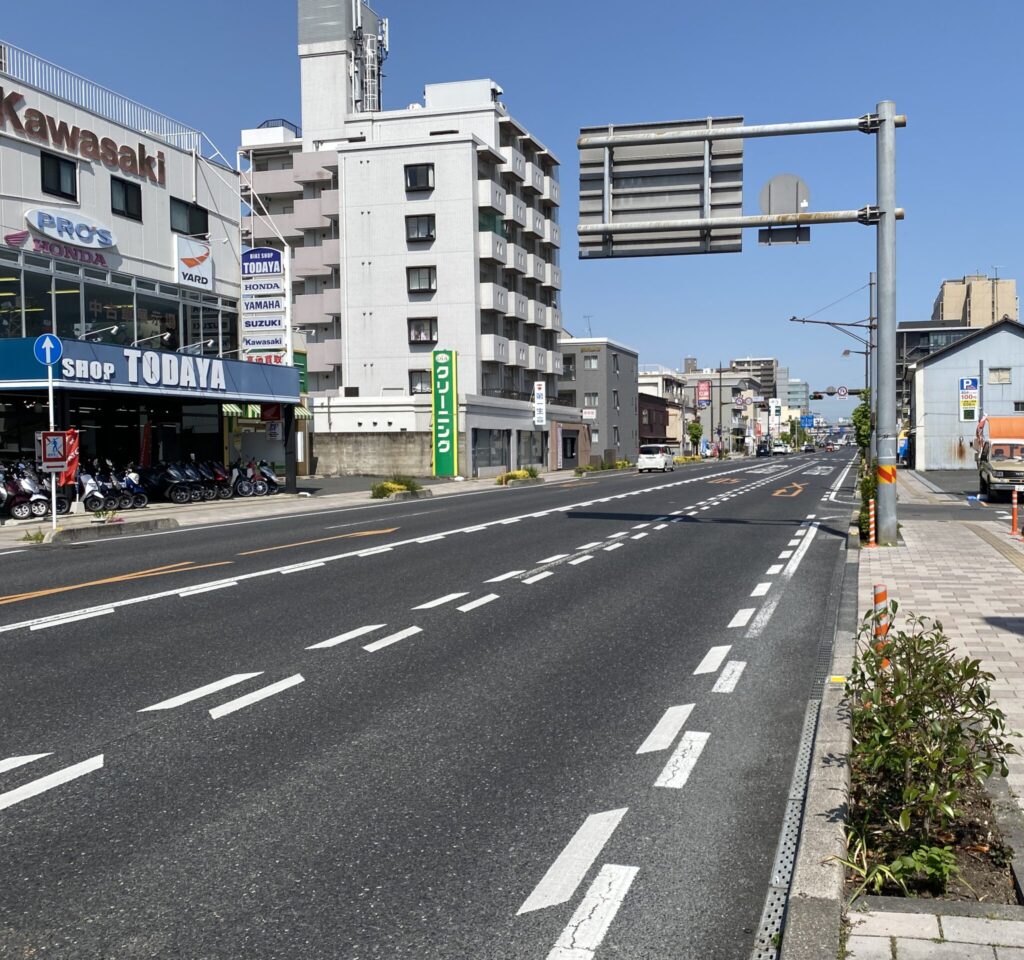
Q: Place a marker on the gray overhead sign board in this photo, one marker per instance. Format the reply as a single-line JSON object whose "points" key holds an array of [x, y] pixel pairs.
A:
{"points": [[655, 177]]}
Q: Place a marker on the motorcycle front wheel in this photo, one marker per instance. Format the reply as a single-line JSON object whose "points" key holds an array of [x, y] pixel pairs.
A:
{"points": [[259, 487], [93, 502], [243, 488], [140, 500], [21, 511], [223, 491], [126, 501], [39, 508], [178, 495]]}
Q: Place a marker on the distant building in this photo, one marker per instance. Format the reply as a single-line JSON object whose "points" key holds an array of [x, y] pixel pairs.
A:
{"points": [[797, 394], [765, 370], [654, 420], [915, 340], [735, 401], [670, 385], [976, 301]]}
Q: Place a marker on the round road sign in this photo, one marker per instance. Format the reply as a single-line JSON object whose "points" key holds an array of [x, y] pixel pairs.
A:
{"points": [[842, 393]]}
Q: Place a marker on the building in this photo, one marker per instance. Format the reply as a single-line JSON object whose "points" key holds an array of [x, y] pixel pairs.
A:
{"points": [[730, 415], [915, 340], [121, 238], [654, 420], [797, 394], [433, 227], [976, 301], [658, 381], [600, 377], [765, 370], [942, 425]]}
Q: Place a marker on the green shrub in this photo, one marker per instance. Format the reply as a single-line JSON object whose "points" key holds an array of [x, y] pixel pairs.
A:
{"points": [[407, 483], [503, 478], [868, 491], [532, 472], [384, 489]]}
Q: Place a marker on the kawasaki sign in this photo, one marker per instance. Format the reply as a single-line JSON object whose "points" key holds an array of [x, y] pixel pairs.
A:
{"points": [[444, 389]]}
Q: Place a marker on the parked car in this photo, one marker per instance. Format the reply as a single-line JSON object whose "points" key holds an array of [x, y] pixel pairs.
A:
{"points": [[654, 456]]}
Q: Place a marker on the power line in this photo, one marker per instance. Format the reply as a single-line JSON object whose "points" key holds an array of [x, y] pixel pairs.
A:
{"points": [[840, 300]]}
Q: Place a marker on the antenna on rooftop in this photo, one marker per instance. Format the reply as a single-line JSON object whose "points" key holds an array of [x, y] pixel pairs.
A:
{"points": [[588, 317]]}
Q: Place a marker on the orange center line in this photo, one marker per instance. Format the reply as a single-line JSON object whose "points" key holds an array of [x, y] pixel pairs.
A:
{"points": [[304, 543]]}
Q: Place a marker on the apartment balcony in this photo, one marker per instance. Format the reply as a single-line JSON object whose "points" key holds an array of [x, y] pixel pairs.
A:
{"points": [[552, 318], [552, 190], [309, 309], [552, 233], [316, 167], [553, 363], [260, 229], [518, 353], [534, 178], [535, 312], [515, 162], [535, 267], [332, 252], [272, 183], [309, 214], [535, 221], [536, 359], [493, 348], [516, 259], [323, 357], [493, 296], [515, 210], [552, 276], [309, 262], [490, 195], [516, 306], [330, 204], [490, 246]]}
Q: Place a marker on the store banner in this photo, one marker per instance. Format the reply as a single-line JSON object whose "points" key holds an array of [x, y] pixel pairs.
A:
{"points": [[703, 393], [193, 262], [540, 408], [445, 408], [71, 448]]}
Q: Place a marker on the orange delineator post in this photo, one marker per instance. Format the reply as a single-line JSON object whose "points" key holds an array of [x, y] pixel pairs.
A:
{"points": [[1014, 528], [871, 523], [881, 612]]}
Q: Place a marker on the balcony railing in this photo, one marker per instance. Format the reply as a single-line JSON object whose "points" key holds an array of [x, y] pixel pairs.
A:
{"points": [[507, 394]]}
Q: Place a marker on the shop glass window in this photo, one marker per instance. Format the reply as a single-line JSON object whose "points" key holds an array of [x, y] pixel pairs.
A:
{"points": [[189, 218], [590, 361], [108, 307], [491, 448], [10, 302], [157, 317], [420, 227], [530, 446], [590, 399], [38, 304], [126, 199], [229, 332], [202, 329], [423, 330], [59, 176], [419, 381], [67, 298], [421, 279], [419, 176]]}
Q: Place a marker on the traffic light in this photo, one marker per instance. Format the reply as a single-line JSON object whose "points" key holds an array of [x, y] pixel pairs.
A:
{"points": [[817, 396]]}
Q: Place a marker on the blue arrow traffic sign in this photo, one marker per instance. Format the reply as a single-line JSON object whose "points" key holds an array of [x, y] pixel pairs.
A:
{"points": [[48, 349]]}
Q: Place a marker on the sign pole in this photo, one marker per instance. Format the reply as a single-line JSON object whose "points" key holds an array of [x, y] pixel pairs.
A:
{"points": [[53, 477]]}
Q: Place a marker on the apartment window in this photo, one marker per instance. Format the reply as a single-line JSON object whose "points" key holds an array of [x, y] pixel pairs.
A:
{"points": [[1018, 406], [420, 227], [590, 361], [567, 398], [998, 374], [59, 176], [615, 362], [615, 399], [615, 435], [189, 218], [419, 381], [419, 176], [590, 399], [595, 436], [645, 416], [568, 366], [126, 199], [423, 330], [421, 279]]}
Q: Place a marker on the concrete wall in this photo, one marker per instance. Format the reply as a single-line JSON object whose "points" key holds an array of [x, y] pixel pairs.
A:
{"points": [[371, 454]]}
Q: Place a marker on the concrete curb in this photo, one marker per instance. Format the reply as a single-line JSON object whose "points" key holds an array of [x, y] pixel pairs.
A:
{"points": [[525, 482], [103, 531], [410, 494]]}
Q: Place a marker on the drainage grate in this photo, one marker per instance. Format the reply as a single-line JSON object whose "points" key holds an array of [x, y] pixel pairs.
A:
{"points": [[766, 946]]}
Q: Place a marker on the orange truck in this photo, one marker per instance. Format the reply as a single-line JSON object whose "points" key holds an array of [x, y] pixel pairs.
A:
{"points": [[999, 454]]}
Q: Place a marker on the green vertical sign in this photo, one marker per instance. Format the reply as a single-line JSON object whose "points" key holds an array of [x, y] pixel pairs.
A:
{"points": [[445, 395], [301, 363]]}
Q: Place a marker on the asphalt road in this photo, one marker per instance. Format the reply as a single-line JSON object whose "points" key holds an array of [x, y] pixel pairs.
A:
{"points": [[557, 721]]}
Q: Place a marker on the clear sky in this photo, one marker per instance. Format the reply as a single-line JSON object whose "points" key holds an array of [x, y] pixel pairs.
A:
{"points": [[954, 68]]}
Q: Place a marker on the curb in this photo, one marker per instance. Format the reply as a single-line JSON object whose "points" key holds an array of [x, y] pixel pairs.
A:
{"points": [[410, 494], [103, 531], [525, 482]]}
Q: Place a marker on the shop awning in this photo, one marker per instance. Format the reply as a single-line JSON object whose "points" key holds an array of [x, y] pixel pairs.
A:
{"points": [[231, 409], [253, 411], [301, 413]]}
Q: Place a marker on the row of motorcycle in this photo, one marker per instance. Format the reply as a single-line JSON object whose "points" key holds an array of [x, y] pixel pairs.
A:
{"points": [[25, 491]]}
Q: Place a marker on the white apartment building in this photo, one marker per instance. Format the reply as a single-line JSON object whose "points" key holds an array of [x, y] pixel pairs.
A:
{"points": [[430, 227]]}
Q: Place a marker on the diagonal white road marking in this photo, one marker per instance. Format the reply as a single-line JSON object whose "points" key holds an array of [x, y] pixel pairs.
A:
{"points": [[43, 784], [479, 602], [351, 635], [666, 729], [712, 660], [200, 692], [447, 598], [13, 762], [250, 698], [680, 765], [392, 638], [729, 677], [592, 918]]}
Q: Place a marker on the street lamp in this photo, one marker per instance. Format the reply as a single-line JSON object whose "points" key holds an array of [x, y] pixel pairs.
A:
{"points": [[865, 354], [160, 336], [92, 333], [197, 347]]}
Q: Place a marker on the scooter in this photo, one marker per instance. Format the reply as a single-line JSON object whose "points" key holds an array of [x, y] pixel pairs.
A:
{"points": [[267, 472], [89, 492], [38, 504], [221, 478], [260, 487], [241, 485], [132, 484]]}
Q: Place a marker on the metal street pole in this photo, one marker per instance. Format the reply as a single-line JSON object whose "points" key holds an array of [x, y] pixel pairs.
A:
{"points": [[886, 252], [873, 348]]}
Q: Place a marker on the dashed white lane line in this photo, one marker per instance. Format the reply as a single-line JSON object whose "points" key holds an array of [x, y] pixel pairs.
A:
{"points": [[208, 588], [712, 660], [539, 576], [392, 638], [557, 556], [785, 555], [35, 787], [479, 602], [742, 617], [447, 598], [505, 576], [621, 533], [680, 765], [200, 692], [666, 729], [579, 560], [476, 529], [614, 546], [431, 538], [571, 865], [638, 536], [773, 569], [591, 545], [793, 543], [640, 526], [250, 698], [300, 567], [760, 590], [592, 918], [74, 618], [800, 532], [505, 523], [768, 608], [729, 677], [660, 526], [351, 635], [693, 514], [675, 513], [705, 508], [373, 551], [7, 553], [12, 763]]}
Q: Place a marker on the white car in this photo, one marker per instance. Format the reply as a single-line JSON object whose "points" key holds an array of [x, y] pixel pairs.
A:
{"points": [[780, 449], [654, 457]]}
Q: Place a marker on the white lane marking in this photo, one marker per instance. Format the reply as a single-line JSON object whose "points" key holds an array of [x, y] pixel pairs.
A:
{"points": [[793, 543], [374, 550], [622, 533], [692, 514], [199, 692], [431, 538], [571, 865], [478, 527], [773, 569], [447, 598], [640, 526], [712, 660], [7, 553], [392, 638], [591, 545], [811, 516], [207, 588], [680, 765], [675, 513], [666, 729], [72, 618], [12, 762], [785, 555], [729, 677], [760, 590], [510, 520], [50, 781], [800, 532], [505, 576], [592, 918], [539, 576], [660, 526], [579, 560], [614, 546], [705, 508], [351, 635], [250, 698], [742, 617], [638, 536], [479, 602], [557, 556], [768, 608], [299, 567]]}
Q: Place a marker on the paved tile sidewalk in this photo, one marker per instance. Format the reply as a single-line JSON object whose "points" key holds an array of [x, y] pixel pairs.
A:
{"points": [[881, 935]]}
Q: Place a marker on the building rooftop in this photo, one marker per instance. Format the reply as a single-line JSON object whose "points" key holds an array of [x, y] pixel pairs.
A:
{"points": [[604, 341]]}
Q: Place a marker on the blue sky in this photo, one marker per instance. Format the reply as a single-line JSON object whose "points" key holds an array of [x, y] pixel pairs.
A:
{"points": [[954, 70]]}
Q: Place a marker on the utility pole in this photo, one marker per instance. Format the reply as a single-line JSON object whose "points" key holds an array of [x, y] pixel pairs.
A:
{"points": [[873, 351]]}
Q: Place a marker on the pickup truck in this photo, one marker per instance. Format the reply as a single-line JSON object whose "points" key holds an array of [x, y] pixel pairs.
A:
{"points": [[999, 453]]}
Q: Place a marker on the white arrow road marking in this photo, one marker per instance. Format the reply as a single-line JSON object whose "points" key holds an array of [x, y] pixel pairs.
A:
{"points": [[479, 602], [12, 762], [680, 765], [351, 635], [43, 784], [712, 660], [589, 924], [729, 677], [447, 598], [666, 729], [392, 638], [199, 692], [250, 698], [572, 864]]}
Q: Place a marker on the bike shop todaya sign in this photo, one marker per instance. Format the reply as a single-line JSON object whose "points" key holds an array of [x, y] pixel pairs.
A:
{"points": [[264, 306], [445, 409]]}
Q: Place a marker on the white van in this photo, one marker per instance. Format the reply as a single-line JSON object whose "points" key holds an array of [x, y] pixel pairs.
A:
{"points": [[654, 456]]}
